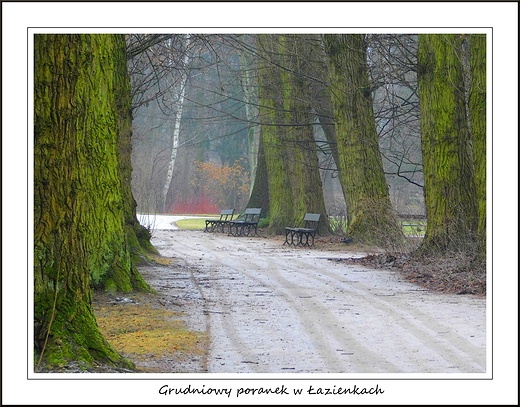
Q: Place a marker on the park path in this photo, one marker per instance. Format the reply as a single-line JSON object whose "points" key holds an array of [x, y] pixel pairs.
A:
{"points": [[270, 308]]}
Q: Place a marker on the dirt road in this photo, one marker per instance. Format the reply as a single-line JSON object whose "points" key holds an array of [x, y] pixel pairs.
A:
{"points": [[270, 308]]}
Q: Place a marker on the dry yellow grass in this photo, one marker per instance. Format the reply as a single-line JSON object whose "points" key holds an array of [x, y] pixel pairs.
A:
{"points": [[140, 332]]}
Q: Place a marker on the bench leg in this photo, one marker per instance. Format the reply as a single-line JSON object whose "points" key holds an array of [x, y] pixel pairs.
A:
{"points": [[311, 236], [293, 234], [235, 230], [287, 234]]}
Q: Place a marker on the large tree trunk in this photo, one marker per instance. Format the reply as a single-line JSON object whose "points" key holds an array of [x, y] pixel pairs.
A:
{"points": [[290, 150], [79, 198], [477, 114], [271, 114], [306, 178], [371, 216], [447, 158], [137, 236], [321, 97]]}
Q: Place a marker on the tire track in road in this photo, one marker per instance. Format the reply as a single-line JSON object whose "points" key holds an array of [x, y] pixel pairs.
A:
{"points": [[290, 305], [325, 330], [317, 329], [235, 338], [456, 350], [223, 320], [452, 347], [212, 323]]}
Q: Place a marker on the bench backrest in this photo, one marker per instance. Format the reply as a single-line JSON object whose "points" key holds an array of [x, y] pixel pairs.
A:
{"points": [[311, 220], [224, 214], [251, 214]]}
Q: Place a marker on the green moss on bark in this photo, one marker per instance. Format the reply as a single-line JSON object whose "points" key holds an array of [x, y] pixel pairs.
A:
{"points": [[449, 183], [80, 234], [370, 214], [290, 151], [477, 114]]}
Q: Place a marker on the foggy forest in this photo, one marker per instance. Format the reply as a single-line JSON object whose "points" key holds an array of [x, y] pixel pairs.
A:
{"points": [[203, 108]]}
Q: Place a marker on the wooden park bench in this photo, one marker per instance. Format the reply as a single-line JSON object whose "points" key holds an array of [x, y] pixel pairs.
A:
{"points": [[296, 235], [245, 223], [219, 225]]}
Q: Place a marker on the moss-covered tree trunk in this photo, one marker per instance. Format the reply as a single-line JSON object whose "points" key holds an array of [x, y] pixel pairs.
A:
{"points": [[370, 213], [321, 97], [80, 196], [285, 109], [306, 179], [447, 157], [272, 113], [137, 237], [477, 114]]}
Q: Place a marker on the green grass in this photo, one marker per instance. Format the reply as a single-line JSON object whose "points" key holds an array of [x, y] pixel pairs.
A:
{"points": [[414, 228], [192, 224]]}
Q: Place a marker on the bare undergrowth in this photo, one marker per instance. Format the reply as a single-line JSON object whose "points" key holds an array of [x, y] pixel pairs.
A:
{"points": [[451, 273]]}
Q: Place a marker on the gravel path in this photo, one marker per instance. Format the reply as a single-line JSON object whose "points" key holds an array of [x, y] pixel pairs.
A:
{"points": [[270, 308]]}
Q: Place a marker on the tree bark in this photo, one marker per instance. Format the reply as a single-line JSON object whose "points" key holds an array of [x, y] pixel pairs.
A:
{"points": [[321, 97], [370, 213], [449, 184], [260, 194], [271, 113], [477, 114], [137, 236], [80, 237], [292, 164]]}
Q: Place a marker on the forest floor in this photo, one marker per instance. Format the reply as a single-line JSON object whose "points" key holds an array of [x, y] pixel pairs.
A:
{"points": [[250, 304]]}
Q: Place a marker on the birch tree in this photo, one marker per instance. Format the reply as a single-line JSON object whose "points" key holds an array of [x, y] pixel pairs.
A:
{"points": [[178, 105]]}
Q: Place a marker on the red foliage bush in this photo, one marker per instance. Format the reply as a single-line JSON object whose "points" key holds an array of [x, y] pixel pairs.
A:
{"points": [[195, 205]]}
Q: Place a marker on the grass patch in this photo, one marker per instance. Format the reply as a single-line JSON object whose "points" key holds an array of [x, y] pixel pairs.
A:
{"points": [[141, 332], [192, 224], [165, 261], [197, 224], [411, 227], [415, 228]]}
